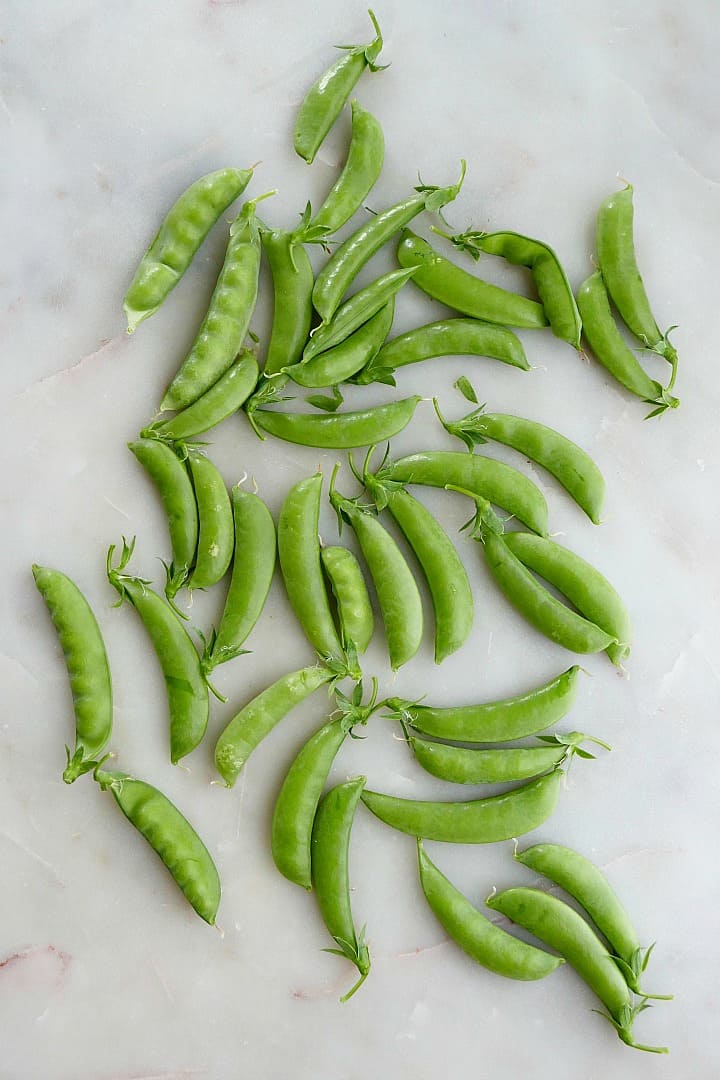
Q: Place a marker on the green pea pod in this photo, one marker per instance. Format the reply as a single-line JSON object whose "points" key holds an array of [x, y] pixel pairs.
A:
{"points": [[216, 537], [223, 399], [293, 280], [186, 225], [355, 614], [362, 168], [338, 431], [341, 362], [460, 765]]}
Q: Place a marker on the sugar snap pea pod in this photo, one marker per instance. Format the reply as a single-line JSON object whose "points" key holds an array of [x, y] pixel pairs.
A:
{"points": [[226, 323], [253, 566], [172, 480], [347, 261], [447, 337], [355, 614], [186, 225], [484, 942], [299, 553], [362, 168], [293, 280], [342, 361], [498, 483], [216, 537], [186, 687], [255, 720], [584, 586], [171, 836], [568, 463], [479, 821], [494, 721], [560, 927], [470, 295], [330, 850], [87, 666], [338, 431], [610, 349], [325, 99], [223, 399], [361, 306], [586, 883]]}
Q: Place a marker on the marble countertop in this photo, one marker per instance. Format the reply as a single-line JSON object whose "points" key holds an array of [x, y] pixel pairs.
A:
{"points": [[107, 112]]}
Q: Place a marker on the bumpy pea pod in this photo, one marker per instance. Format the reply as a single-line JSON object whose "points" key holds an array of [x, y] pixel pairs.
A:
{"points": [[228, 317], [340, 431], [171, 836], [342, 361], [547, 272], [451, 285], [345, 264], [560, 927], [87, 667], [182, 232], [330, 874], [586, 883], [362, 168], [216, 536], [325, 99], [354, 610], [186, 686], [484, 942]]}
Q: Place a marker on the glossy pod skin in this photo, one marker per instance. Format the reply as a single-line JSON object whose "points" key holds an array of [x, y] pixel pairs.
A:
{"points": [[297, 802], [339, 431], [583, 585], [362, 168], [495, 721], [216, 538], [360, 307], [325, 99], [355, 613], [87, 667], [479, 821], [249, 727], [458, 765], [484, 942], [451, 285], [222, 400], [171, 836], [293, 280], [186, 225], [498, 483], [341, 362]]}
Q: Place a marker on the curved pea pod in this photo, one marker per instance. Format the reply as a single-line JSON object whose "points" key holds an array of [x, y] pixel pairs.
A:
{"points": [[223, 399], [341, 362], [479, 821], [363, 166], [186, 225], [339, 431], [216, 536], [293, 280], [355, 614], [470, 295], [171, 836], [583, 585], [325, 99], [87, 667], [484, 942], [460, 765]]}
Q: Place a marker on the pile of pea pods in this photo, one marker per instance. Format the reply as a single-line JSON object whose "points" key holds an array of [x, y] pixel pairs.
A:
{"points": [[325, 336]]}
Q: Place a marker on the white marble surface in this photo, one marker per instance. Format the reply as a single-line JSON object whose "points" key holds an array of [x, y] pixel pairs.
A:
{"points": [[107, 113]]}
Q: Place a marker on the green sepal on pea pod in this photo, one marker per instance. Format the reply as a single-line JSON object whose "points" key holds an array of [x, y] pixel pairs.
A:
{"points": [[362, 168], [186, 225], [325, 99]]}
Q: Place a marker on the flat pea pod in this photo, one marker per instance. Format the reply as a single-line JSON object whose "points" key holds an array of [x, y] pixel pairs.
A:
{"points": [[347, 261], [87, 667], [249, 727], [355, 614], [186, 225], [325, 99], [216, 537], [187, 690], [342, 430], [446, 337], [172, 480], [559, 926], [609, 348], [330, 873], [362, 168], [464, 292], [584, 586], [361, 306], [484, 942], [293, 280], [495, 721], [297, 802], [460, 765], [395, 586], [171, 836], [479, 821], [498, 483], [223, 399], [299, 553], [341, 362], [226, 323], [253, 567]]}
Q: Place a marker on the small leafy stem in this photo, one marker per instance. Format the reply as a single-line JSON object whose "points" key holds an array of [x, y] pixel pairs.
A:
{"points": [[623, 1024], [633, 969], [351, 711], [358, 954], [468, 430]]}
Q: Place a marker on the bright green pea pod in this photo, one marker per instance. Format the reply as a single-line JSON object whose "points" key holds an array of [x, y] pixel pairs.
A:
{"points": [[223, 399], [338, 364], [362, 168], [355, 614], [339, 431], [293, 281], [460, 765], [325, 99], [182, 232], [216, 537]]}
